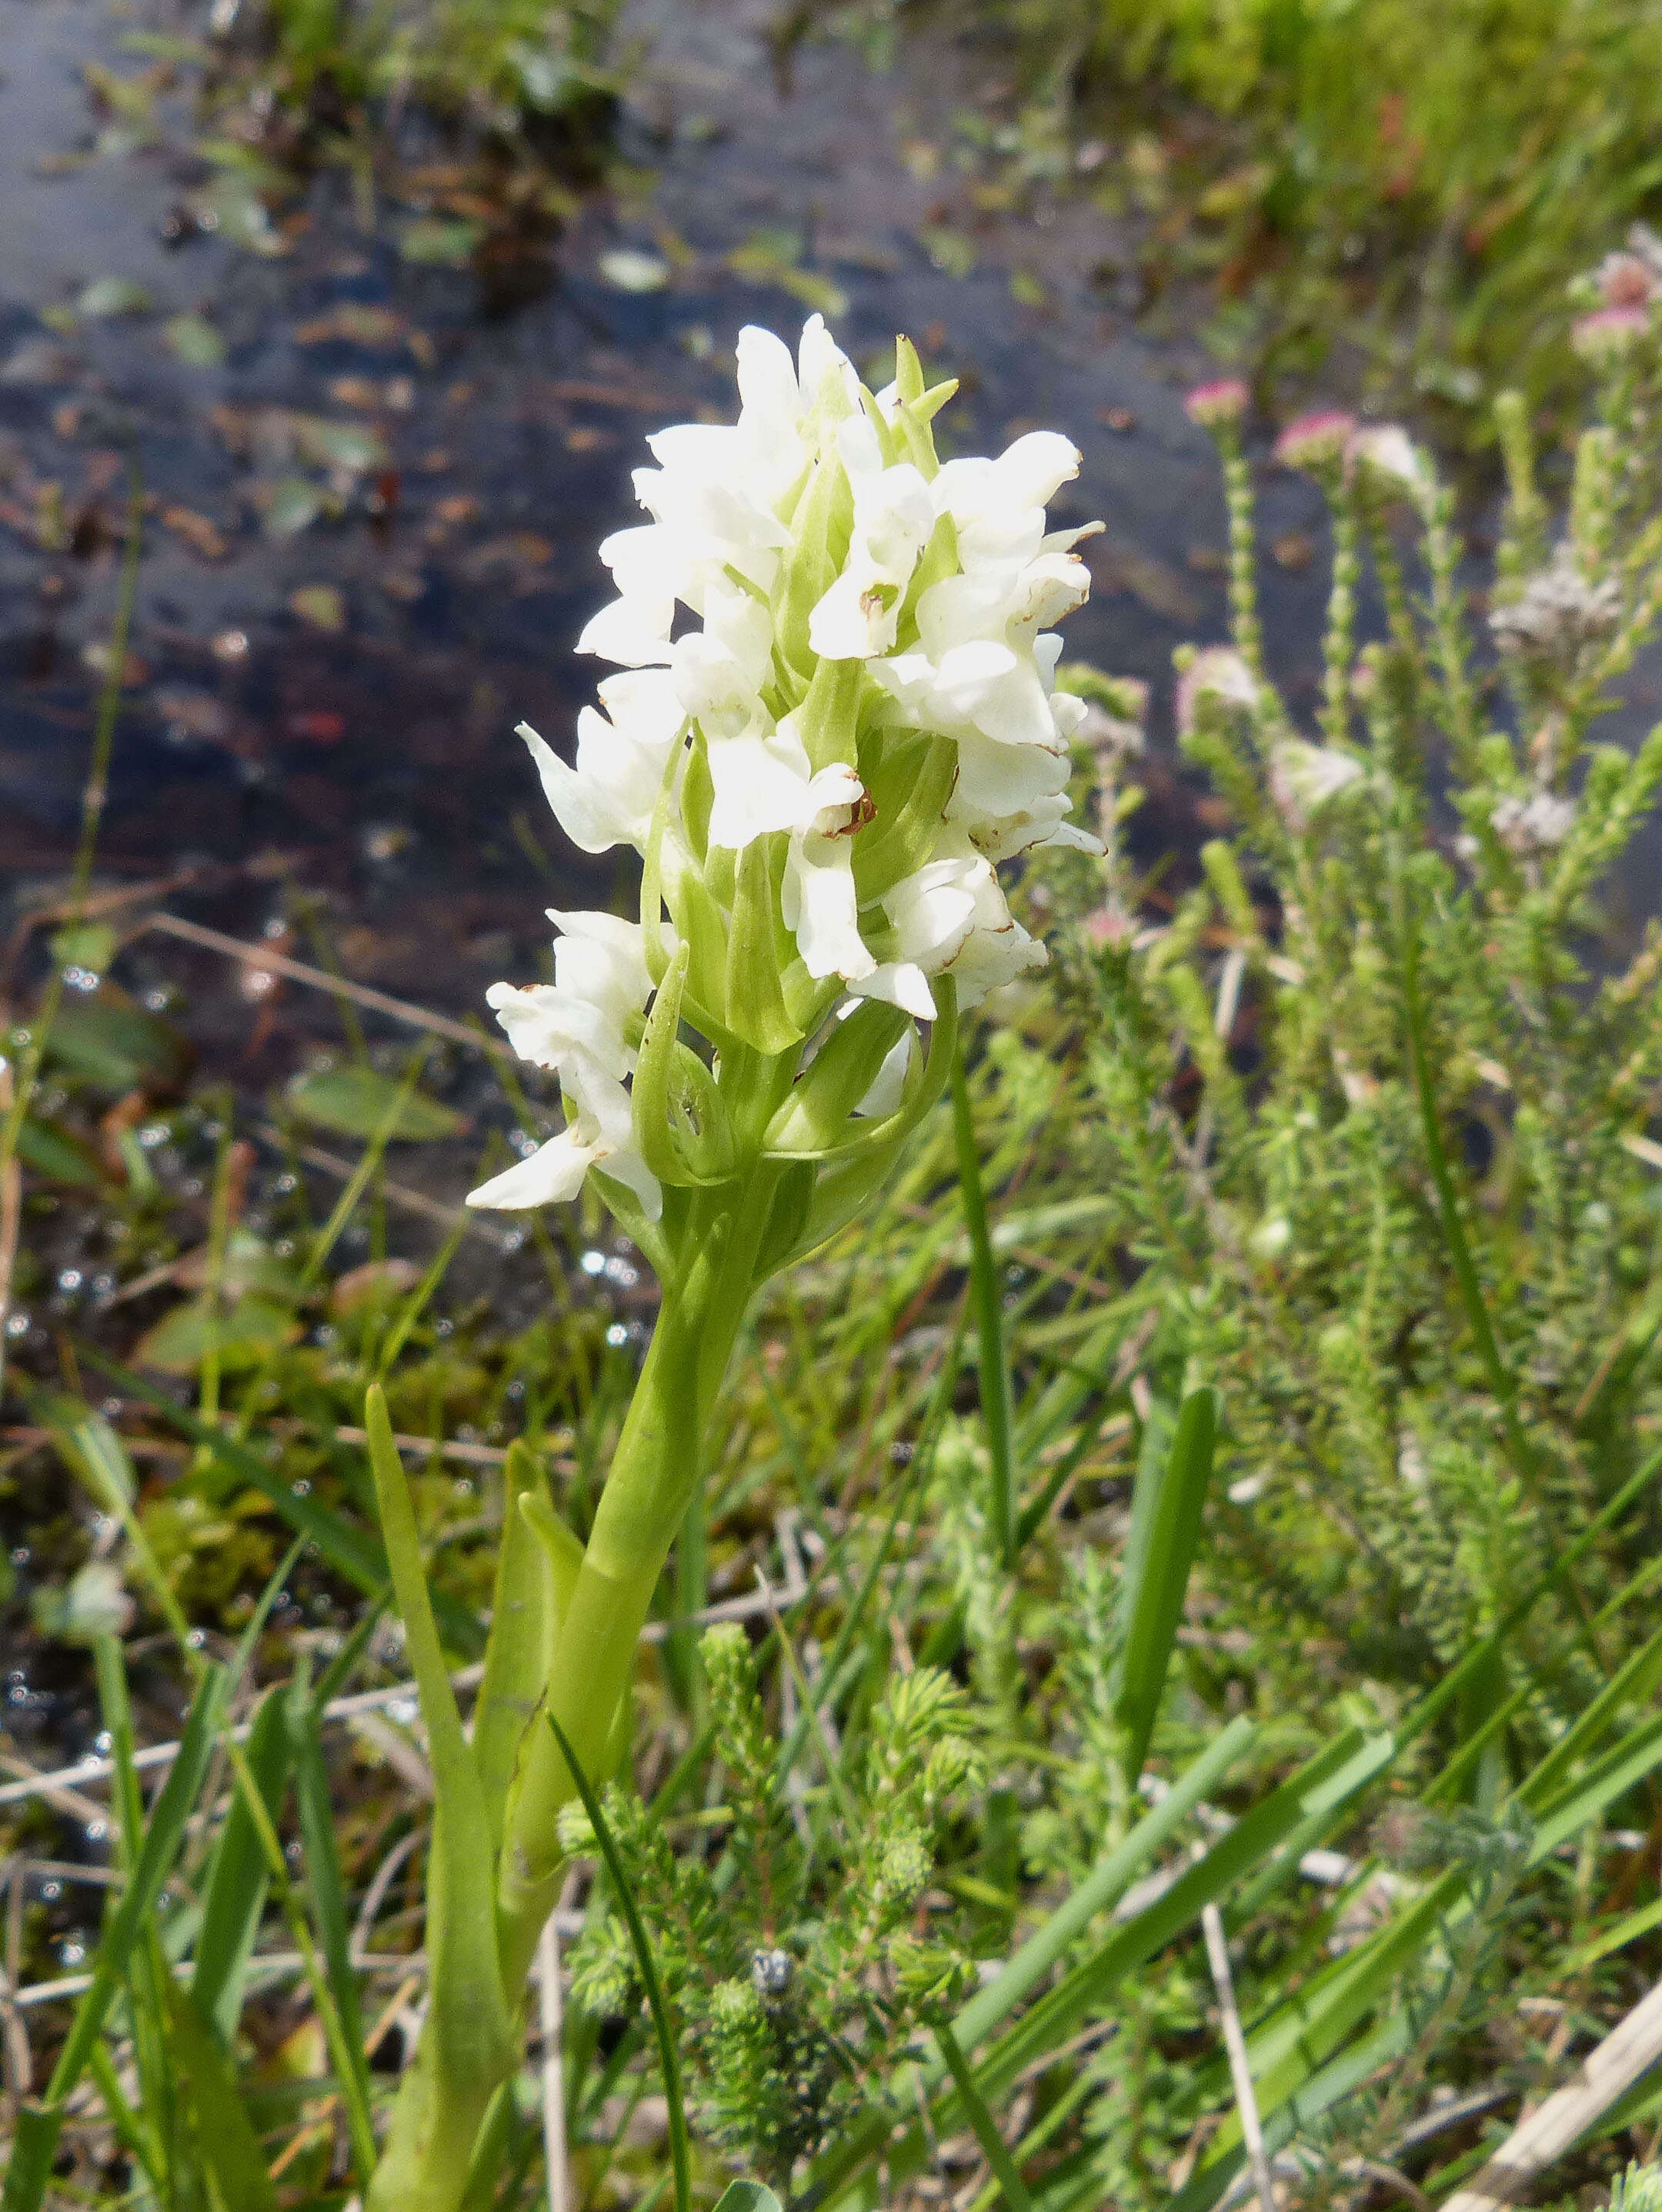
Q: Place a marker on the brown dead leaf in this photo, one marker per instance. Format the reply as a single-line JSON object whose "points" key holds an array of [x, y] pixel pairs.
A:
{"points": [[354, 322], [202, 536], [504, 556]]}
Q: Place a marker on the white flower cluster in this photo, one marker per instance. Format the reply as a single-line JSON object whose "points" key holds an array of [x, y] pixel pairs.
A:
{"points": [[855, 725]]}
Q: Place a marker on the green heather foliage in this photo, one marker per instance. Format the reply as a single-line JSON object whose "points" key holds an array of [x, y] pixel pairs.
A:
{"points": [[1371, 1109], [792, 2005], [506, 66]]}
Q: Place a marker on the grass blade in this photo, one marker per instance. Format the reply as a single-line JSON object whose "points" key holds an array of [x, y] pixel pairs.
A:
{"points": [[1167, 1507], [237, 1883], [656, 2001], [1107, 1882], [993, 1371], [994, 2147], [323, 1875], [474, 2035], [1252, 1839], [224, 2133], [522, 1630], [35, 2145]]}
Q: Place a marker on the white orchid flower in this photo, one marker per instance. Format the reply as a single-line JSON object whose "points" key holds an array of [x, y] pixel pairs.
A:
{"points": [[936, 916], [1009, 799], [771, 664], [600, 1134], [719, 671], [585, 1026], [609, 797], [763, 784], [998, 506], [888, 1089], [893, 520]]}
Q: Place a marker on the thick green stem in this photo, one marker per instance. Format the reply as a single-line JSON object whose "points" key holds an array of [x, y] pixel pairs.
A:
{"points": [[653, 1478]]}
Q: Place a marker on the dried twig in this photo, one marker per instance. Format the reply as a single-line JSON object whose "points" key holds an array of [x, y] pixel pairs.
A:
{"points": [[550, 2011], [260, 958], [1234, 2042], [1545, 2134]]}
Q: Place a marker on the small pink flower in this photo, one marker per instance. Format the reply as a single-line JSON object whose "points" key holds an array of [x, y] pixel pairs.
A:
{"points": [[1626, 280], [1216, 672], [1215, 406], [1107, 925], [1318, 442], [1608, 332]]}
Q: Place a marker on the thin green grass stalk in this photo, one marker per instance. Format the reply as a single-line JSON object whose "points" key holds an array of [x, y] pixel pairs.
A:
{"points": [[218, 1231], [1167, 1507], [346, 2054], [992, 1373], [995, 2149], [39, 2124], [662, 2028], [416, 1303], [1500, 1378], [327, 1889]]}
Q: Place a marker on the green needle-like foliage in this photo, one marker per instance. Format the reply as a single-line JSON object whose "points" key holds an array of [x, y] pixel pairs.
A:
{"points": [[796, 1979]]}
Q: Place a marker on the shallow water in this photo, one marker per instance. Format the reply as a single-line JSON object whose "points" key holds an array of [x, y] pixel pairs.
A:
{"points": [[373, 762]]}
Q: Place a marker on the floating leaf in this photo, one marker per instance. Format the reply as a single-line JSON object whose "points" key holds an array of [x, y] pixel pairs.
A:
{"points": [[439, 245], [951, 252], [631, 270], [112, 296], [321, 606], [769, 256], [376, 1283], [116, 1046], [354, 323], [289, 506], [178, 1343], [200, 532], [356, 1102], [194, 340], [357, 447]]}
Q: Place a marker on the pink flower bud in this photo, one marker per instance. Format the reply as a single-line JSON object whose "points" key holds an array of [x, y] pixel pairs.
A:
{"points": [[1316, 443], [1216, 672], [1608, 332], [1215, 406]]}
